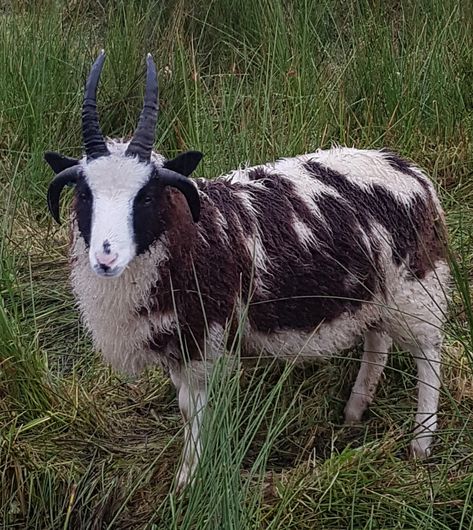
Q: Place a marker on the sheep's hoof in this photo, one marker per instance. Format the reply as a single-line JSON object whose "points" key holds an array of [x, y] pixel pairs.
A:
{"points": [[420, 448], [352, 420], [354, 411], [182, 482], [184, 478]]}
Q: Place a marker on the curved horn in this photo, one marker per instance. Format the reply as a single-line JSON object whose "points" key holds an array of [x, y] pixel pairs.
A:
{"points": [[68, 176], [94, 142], [142, 142], [184, 185]]}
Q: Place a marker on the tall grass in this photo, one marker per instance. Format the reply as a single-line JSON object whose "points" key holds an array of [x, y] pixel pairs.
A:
{"points": [[84, 447]]}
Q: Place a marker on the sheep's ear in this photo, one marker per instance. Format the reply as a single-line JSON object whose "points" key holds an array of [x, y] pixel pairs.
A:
{"points": [[185, 163], [185, 186], [59, 162], [67, 177]]}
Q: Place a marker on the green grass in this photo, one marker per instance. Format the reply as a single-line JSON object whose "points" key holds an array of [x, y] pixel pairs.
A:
{"points": [[83, 447]]}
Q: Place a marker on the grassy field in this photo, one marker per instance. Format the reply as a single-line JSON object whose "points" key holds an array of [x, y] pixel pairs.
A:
{"points": [[83, 447]]}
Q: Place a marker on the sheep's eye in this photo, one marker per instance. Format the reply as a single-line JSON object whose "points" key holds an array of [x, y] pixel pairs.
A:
{"points": [[147, 200], [83, 196]]}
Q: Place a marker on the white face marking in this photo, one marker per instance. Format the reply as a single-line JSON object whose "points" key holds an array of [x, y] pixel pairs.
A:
{"points": [[114, 182]]}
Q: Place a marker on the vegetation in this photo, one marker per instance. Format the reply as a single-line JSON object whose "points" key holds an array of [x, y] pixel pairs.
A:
{"points": [[82, 447]]}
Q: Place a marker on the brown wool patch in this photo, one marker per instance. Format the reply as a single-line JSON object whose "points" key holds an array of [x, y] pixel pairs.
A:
{"points": [[415, 240]]}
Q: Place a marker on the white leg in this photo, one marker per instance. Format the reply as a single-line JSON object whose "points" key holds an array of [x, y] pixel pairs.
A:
{"points": [[374, 359], [191, 385], [415, 321], [427, 360]]}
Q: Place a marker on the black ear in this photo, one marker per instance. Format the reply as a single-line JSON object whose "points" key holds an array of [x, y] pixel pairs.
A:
{"points": [[185, 163], [59, 162]]}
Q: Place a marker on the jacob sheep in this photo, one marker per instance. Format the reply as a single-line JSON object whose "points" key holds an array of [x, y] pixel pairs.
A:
{"points": [[321, 249]]}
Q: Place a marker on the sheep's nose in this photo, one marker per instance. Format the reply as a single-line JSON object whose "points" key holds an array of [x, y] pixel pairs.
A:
{"points": [[106, 260]]}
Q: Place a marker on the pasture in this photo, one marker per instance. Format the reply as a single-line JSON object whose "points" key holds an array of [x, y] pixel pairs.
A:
{"points": [[84, 447]]}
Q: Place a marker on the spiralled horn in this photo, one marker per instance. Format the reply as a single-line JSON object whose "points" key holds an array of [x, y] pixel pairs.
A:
{"points": [[142, 142], [94, 142]]}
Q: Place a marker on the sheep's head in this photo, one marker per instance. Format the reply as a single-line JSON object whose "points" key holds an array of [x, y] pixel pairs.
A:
{"points": [[118, 192]]}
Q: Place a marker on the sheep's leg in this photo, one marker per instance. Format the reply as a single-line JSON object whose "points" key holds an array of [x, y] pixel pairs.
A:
{"points": [[190, 382], [418, 327], [427, 360], [374, 359]]}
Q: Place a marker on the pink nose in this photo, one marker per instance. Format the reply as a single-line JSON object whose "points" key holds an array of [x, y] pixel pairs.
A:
{"points": [[106, 259]]}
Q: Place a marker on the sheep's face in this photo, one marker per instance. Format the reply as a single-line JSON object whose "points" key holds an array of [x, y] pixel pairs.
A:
{"points": [[119, 185], [113, 192], [118, 202]]}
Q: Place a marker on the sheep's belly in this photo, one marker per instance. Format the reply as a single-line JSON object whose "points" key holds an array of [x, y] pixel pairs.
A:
{"points": [[324, 341]]}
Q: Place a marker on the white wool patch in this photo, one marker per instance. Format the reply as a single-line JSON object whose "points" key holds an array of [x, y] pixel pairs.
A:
{"points": [[351, 280], [254, 243], [222, 226], [215, 343], [245, 198], [240, 175], [305, 234], [307, 187], [108, 306], [118, 146], [416, 309], [292, 168], [366, 168], [258, 255], [324, 341]]}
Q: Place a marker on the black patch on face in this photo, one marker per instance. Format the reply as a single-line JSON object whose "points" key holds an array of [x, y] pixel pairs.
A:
{"points": [[148, 222], [83, 204]]}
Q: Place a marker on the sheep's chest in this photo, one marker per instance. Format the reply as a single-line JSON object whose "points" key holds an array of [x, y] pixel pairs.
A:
{"points": [[109, 308]]}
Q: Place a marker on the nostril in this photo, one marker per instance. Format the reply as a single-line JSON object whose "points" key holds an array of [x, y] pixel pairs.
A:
{"points": [[105, 260]]}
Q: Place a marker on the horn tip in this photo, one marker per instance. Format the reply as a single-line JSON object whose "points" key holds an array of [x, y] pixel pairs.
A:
{"points": [[98, 63], [100, 58]]}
